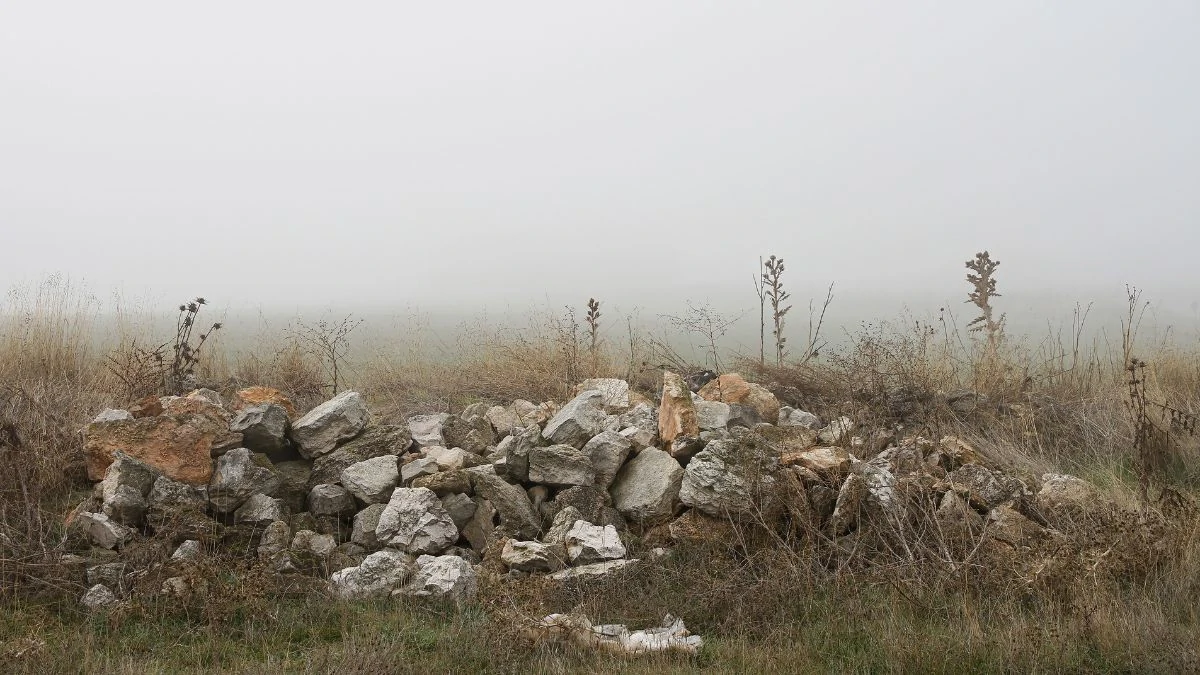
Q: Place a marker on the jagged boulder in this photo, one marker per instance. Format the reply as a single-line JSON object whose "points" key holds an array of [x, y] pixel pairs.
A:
{"points": [[238, 475], [377, 576], [415, 521], [331, 500], [339, 419], [101, 530], [385, 439], [532, 556], [677, 412], [733, 388], [178, 446], [264, 427], [587, 543], [729, 478], [372, 480], [580, 419], [647, 488], [366, 522], [983, 488], [607, 451], [614, 393], [426, 430], [471, 433], [446, 578], [516, 512], [460, 507], [560, 465]]}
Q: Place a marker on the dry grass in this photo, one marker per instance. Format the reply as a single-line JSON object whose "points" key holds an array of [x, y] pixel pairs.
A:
{"points": [[764, 604]]}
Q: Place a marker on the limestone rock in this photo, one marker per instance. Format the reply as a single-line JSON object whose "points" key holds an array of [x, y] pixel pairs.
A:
{"points": [[836, 430], [830, 463], [98, 597], [607, 452], [516, 512], [263, 427], [733, 388], [416, 522], [446, 578], [984, 489], [448, 459], [712, 414], [460, 507], [339, 419], [372, 480], [275, 539], [532, 556], [728, 477], [560, 465], [377, 441], [593, 571], [647, 487], [331, 500], [377, 576], [294, 476], [849, 504], [252, 396], [178, 446], [101, 530], [188, 550], [427, 429], [676, 412], [594, 503], [445, 482], [319, 545], [578, 421], [790, 417], [112, 415], [424, 466], [366, 522], [238, 476], [516, 449], [563, 521], [588, 543], [478, 531], [614, 392], [260, 509], [503, 420], [473, 434]]}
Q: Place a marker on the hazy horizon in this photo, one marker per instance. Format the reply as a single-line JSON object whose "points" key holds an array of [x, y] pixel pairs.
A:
{"points": [[293, 155]]}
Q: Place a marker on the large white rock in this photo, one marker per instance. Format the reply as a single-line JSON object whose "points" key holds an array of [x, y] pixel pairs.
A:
{"points": [[379, 574], [415, 521], [607, 452], [339, 419], [614, 393], [427, 429], [724, 479], [578, 420], [447, 578], [588, 543], [560, 465], [448, 459], [372, 480], [712, 414], [647, 487]]}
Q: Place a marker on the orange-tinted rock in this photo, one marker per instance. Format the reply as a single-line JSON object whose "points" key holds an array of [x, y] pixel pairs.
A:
{"points": [[147, 407], [258, 395], [733, 388], [177, 445], [676, 413], [828, 462]]}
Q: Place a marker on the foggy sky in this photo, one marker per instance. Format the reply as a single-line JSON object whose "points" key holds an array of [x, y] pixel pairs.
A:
{"points": [[464, 154]]}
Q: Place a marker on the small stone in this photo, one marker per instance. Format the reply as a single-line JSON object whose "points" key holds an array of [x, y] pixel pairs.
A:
{"points": [[426, 430], [320, 545], [532, 556], [587, 543], [448, 459], [188, 550], [593, 571], [101, 530], [98, 597], [789, 417], [275, 539], [445, 482], [260, 510]]}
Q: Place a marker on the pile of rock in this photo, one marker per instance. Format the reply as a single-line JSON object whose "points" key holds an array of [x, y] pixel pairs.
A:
{"points": [[420, 509]]}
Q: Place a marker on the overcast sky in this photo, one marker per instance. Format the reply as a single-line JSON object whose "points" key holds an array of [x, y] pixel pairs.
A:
{"points": [[463, 154]]}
